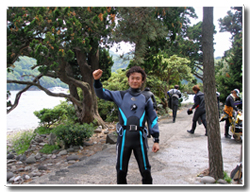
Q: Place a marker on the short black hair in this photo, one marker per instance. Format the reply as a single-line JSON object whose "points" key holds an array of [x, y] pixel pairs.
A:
{"points": [[136, 69], [176, 86]]}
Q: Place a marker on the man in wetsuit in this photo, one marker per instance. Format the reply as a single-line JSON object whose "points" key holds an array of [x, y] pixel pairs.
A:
{"points": [[200, 110], [133, 106], [174, 95]]}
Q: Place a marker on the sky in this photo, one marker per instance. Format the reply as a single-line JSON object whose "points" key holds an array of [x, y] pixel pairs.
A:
{"points": [[222, 40]]}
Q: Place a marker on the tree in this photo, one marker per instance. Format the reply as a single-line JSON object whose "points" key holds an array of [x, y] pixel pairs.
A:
{"points": [[213, 126], [151, 29], [65, 42], [169, 71], [231, 78]]}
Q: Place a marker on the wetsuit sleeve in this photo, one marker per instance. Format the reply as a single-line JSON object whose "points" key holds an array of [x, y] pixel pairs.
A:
{"points": [[153, 120], [104, 93], [196, 101]]}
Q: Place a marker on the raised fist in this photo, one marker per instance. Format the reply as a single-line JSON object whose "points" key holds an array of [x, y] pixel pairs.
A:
{"points": [[97, 74]]}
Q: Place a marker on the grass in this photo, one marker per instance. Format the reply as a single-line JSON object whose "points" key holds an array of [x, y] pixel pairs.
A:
{"points": [[47, 149], [226, 177], [21, 140]]}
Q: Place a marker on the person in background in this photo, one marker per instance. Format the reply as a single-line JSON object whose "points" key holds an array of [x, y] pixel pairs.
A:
{"points": [[133, 106], [199, 105], [149, 94], [218, 101], [174, 95], [228, 110]]}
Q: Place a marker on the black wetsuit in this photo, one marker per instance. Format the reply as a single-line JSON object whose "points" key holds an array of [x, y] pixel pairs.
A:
{"points": [[174, 95], [133, 106], [199, 104]]}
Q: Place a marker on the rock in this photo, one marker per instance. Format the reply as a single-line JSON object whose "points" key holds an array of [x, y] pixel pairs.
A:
{"points": [[9, 175], [30, 160], [71, 149], [52, 139], [71, 162], [11, 161], [63, 152], [36, 174], [98, 130], [55, 151], [19, 162], [42, 167], [111, 138], [17, 178], [42, 144], [12, 179], [72, 157], [222, 181], [26, 177], [43, 135], [10, 156], [207, 180], [23, 158], [28, 168], [21, 169], [38, 156]]}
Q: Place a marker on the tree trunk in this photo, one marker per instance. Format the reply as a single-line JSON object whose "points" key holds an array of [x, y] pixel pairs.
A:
{"points": [[89, 110], [212, 114]]}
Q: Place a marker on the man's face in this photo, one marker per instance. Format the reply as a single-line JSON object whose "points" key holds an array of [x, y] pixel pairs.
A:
{"points": [[135, 80]]}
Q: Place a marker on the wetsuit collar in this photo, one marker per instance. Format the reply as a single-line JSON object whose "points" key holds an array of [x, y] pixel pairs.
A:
{"points": [[134, 92]]}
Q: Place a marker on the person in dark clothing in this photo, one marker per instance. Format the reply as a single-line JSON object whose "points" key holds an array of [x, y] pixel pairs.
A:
{"points": [[228, 110], [149, 94], [133, 106], [218, 101], [174, 95], [199, 105]]}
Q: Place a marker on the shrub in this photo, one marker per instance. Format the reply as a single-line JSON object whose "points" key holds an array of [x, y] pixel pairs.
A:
{"points": [[107, 110], [49, 116], [21, 140], [59, 114], [74, 134], [42, 130]]}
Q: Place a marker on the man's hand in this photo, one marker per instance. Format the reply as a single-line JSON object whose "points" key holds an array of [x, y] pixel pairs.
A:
{"points": [[156, 147], [97, 74]]}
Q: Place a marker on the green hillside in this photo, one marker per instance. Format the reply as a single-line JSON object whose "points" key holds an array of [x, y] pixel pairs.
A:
{"points": [[22, 72]]}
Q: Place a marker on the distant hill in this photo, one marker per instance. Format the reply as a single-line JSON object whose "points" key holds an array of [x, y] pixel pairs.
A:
{"points": [[217, 58], [119, 62], [23, 72]]}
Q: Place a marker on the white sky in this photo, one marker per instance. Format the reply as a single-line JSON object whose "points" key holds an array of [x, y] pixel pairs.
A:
{"points": [[222, 40]]}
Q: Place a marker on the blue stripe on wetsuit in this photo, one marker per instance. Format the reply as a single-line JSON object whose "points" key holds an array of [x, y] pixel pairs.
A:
{"points": [[122, 148], [154, 122], [123, 117], [143, 153], [141, 119]]}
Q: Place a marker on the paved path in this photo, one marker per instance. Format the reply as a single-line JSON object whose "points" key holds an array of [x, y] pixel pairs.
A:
{"points": [[181, 158]]}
